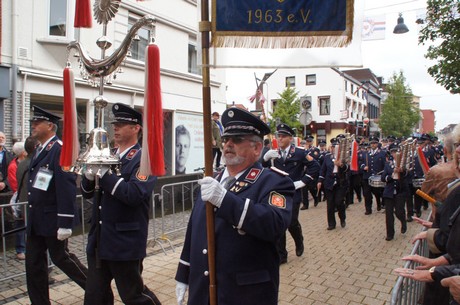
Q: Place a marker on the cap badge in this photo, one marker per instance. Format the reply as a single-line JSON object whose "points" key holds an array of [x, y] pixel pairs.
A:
{"points": [[115, 107], [231, 114]]}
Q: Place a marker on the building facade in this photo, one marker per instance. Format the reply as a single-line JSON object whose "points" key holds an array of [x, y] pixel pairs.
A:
{"points": [[35, 36], [338, 101]]}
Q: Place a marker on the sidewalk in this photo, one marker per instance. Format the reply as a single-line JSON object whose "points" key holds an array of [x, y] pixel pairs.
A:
{"points": [[343, 266]]}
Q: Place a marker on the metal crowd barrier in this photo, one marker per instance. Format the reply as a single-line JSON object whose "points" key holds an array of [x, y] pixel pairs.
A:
{"points": [[174, 205], [408, 291]]}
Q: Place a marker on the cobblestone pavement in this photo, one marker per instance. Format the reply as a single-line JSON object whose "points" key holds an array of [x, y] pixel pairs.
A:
{"points": [[345, 266]]}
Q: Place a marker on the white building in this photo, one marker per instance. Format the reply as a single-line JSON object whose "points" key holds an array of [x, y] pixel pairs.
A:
{"points": [[34, 38], [339, 99]]}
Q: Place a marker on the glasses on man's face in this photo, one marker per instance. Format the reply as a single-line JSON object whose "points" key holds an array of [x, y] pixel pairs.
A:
{"points": [[235, 139]]}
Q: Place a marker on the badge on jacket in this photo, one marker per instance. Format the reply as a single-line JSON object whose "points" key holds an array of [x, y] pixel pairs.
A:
{"points": [[277, 200]]}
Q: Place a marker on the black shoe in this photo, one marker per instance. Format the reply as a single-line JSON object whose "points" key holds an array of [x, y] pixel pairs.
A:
{"points": [[343, 223], [330, 228], [409, 219], [304, 207], [383, 207], [299, 250], [283, 260], [403, 228], [419, 214], [368, 213], [316, 203], [378, 208], [388, 238], [425, 207], [359, 200]]}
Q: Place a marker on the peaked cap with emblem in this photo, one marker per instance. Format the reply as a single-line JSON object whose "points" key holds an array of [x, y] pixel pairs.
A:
{"points": [[43, 115], [309, 138], [285, 129], [239, 122], [125, 114], [334, 141], [373, 140], [393, 147]]}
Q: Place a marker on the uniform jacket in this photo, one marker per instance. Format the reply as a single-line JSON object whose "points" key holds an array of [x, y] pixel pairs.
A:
{"points": [[255, 213], [298, 167], [394, 187], [375, 162], [124, 212], [54, 208], [330, 179]]}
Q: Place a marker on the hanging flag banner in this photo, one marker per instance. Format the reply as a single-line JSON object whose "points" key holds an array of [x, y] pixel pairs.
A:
{"points": [[282, 23], [295, 56], [374, 28]]}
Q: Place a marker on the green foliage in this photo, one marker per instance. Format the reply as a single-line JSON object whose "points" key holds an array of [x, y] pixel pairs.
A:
{"points": [[399, 116], [287, 110], [442, 29]]}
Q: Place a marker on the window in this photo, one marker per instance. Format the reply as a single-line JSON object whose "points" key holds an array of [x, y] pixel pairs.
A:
{"points": [[324, 105], [352, 89], [138, 46], [60, 23], [310, 79], [290, 81], [347, 103], [192, 57], [346, 86]]}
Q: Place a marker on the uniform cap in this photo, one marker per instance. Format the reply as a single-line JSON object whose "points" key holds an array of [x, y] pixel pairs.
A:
{"points": [[393, 147], [239, 122], [309, 138], [284, 129], [373, 140], [126, 114], [334, 141], [43, 115]]}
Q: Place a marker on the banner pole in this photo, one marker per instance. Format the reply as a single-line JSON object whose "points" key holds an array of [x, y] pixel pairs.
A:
{"points": [[204, 28]]}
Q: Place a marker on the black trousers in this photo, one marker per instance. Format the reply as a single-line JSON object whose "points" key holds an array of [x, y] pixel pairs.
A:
{"points": [[335, 199], [128, 278], [418, 201], [216, 152], [296, 232], [37, 266], [368, 191], [313, 191], [354, 187], [394, 206]]}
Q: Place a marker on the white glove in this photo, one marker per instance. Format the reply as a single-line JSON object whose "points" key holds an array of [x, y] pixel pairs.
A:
{"points": [[63, 233], [212, 191], [96, 171], [89, 174], [299, 184], [271, 154], [181, 288], [101, 171]]}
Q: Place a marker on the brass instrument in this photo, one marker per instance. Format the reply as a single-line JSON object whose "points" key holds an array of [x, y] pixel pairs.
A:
{"points": [[343, 150], [403, 157]]}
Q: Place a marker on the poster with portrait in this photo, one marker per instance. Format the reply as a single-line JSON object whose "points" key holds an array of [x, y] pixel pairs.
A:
{"points": [[189, 142]]}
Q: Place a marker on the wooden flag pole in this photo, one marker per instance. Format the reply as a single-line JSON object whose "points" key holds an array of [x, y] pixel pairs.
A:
{"points": [[205, 28]]}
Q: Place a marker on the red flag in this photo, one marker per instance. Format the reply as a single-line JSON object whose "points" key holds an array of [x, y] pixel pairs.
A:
{"points": [[354, 156], [422, 160], [70, 145], [83, 17], [152, 158]]}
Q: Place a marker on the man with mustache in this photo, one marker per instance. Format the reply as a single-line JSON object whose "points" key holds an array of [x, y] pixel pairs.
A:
{"points": [[252, 210]]}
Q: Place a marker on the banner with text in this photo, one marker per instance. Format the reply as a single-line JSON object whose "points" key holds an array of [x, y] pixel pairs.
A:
{"points": [[282, 23]]}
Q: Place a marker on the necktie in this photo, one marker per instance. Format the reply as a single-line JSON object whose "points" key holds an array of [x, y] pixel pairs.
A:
{"points": [[38, 151], [283, 154], [228, 182]]}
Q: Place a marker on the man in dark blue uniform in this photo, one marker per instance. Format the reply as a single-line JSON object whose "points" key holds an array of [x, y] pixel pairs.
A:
{"points": [[252, 211], [372, 166], [303, 169], [52, 211], [334, 177], [117, 240], [394, 193], [311, 187]]}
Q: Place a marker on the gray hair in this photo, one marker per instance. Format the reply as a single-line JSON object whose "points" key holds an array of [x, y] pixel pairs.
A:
{"points": [[18, 148]]}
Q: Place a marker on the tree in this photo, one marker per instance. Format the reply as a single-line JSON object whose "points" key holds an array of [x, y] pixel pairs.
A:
{"points": [[443, 30], [286, 110], [399, 116]]}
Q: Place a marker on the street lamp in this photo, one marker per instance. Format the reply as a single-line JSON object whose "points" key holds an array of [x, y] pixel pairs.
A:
{"points": [[400, 28]]}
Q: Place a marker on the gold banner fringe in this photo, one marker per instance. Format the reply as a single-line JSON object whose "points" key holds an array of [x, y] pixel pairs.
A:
{"points": [[269, 42]]}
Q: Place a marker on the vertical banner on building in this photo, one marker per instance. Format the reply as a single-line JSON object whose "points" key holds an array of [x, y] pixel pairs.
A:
{"points": [[286, 33], [282, 23], [189, 142]]}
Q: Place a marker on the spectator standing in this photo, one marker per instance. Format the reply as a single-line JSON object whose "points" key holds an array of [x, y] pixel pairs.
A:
{"points": [[216, 139]]}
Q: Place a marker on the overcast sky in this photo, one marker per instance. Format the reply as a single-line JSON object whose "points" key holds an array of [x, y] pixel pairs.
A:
{"points": [[384, 57]]}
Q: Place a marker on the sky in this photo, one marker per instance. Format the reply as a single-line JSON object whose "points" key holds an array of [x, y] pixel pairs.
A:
{"points": [[384, 57]]}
